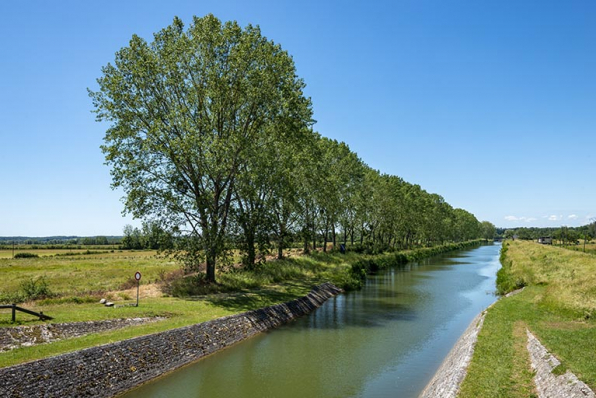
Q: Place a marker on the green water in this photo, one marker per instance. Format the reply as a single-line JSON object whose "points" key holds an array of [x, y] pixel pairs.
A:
{"points": [[386, 340]]}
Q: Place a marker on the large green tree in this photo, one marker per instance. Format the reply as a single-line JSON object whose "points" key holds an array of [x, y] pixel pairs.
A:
{"points": [[187, 112]]}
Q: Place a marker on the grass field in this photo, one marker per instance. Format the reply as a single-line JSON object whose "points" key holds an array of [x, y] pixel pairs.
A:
{"points": [[83, 274], [77, 283], [588, 247], [557, 306]]}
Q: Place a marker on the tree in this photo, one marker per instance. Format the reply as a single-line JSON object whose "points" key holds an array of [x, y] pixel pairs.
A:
{"points": [[488, 230], [132, 238], [187, 112]]}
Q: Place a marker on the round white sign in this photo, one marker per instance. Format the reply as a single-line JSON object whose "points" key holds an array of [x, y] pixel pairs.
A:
{"points": [[138, 276]]}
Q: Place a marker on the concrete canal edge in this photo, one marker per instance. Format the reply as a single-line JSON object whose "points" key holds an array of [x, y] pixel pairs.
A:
{"points": [[110, 369], [549, 384], [446, 382]]}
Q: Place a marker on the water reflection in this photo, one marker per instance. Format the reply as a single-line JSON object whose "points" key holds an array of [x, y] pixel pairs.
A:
{"points": [[386, 340]]}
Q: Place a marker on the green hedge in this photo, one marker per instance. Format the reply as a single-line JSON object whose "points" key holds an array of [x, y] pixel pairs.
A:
{"points": [[374, 263]]}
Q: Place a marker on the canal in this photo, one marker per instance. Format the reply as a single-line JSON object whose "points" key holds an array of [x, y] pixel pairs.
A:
{"points": [[386, 340]]}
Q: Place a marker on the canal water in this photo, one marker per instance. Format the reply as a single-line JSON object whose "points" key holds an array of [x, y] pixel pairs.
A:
{"points": [[386, 340]]}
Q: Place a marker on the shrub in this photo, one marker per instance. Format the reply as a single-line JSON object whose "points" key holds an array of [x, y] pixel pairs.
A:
{"points": [[25, 255], [34, 289]]}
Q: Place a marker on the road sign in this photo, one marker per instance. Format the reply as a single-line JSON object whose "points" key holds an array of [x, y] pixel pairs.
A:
{"points": [[138, 278]]}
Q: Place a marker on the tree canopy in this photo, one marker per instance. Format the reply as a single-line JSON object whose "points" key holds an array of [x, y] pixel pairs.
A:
{"points": [[211, 140], [189, 111]]}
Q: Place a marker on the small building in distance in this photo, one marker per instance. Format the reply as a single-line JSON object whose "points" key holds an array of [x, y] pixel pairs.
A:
{"points": [[545, 240]]}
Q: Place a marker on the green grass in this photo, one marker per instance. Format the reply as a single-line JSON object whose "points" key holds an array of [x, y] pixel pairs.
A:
{"points": [[80, 275], [78, 282], [179, 312], [550, 307]]}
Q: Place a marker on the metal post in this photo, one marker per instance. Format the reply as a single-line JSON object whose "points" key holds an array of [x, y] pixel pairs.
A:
{"points": [[138, 283], [14, 313]]}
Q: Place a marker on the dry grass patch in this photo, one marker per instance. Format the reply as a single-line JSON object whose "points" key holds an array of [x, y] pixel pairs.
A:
{"points": [[570, 276]]}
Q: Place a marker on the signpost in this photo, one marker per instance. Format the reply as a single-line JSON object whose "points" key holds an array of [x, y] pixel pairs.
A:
{"points": [[138, 278]]}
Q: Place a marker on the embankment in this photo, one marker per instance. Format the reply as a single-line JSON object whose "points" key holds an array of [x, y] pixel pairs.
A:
{"points": [[110, 369], [374, 263]]}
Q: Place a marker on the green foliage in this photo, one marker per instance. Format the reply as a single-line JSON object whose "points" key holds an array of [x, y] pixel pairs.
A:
{"points": [[506, 280], [189, 111], [25, 255], [211, 142], [30, 289], [488, 230]]}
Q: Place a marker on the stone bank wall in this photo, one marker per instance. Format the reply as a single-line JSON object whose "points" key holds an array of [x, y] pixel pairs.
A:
{"points": [[113, 368]]}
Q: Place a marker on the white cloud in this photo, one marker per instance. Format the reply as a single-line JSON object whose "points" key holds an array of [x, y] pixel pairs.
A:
{"points": [[555, 217], [522, 218], [572, 217]]}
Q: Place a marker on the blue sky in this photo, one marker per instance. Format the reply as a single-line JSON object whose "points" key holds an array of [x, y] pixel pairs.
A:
{"points": [[490, 104]]}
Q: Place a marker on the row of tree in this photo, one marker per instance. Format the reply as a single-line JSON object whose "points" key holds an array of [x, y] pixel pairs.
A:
{"points": [[60, 241], [211, 140], [564, 234]]}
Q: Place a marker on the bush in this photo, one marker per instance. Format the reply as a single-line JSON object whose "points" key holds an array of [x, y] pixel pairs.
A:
{"points": [[32, 289], [25, 255]]}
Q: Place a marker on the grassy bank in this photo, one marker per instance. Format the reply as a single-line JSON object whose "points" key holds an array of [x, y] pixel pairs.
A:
{"points": [[557, 306], [77, 283]]}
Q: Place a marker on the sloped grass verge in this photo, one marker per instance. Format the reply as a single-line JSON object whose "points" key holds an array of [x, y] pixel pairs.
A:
{"points": [[550, 306]]}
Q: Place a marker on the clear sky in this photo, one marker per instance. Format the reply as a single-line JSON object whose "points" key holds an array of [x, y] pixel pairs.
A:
{"points": [[491, 104]]}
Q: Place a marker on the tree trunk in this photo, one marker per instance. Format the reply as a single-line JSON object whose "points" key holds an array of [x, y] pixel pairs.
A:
{"points": [[211, 255], [306, 248], [333, 235], [250, 249], [280, 246]]}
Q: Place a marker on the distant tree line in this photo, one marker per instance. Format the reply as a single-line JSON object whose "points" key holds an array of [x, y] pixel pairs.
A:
{"points": [[60, 241], [149, 237], [563, 235]]}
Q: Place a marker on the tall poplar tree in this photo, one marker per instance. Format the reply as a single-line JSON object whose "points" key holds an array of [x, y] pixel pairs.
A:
{"points": [[187, 112]]}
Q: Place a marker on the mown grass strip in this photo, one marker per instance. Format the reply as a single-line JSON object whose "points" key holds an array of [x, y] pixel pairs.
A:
{"points": [[549, 307]]}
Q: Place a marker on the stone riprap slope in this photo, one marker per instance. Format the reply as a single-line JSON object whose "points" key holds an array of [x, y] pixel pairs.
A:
{"points": [[447, 380], [113, 368], [14, 337], [549, 384]]}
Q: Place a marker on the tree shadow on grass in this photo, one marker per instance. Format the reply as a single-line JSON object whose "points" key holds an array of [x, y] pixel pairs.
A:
{"points": [[257, 298]]}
